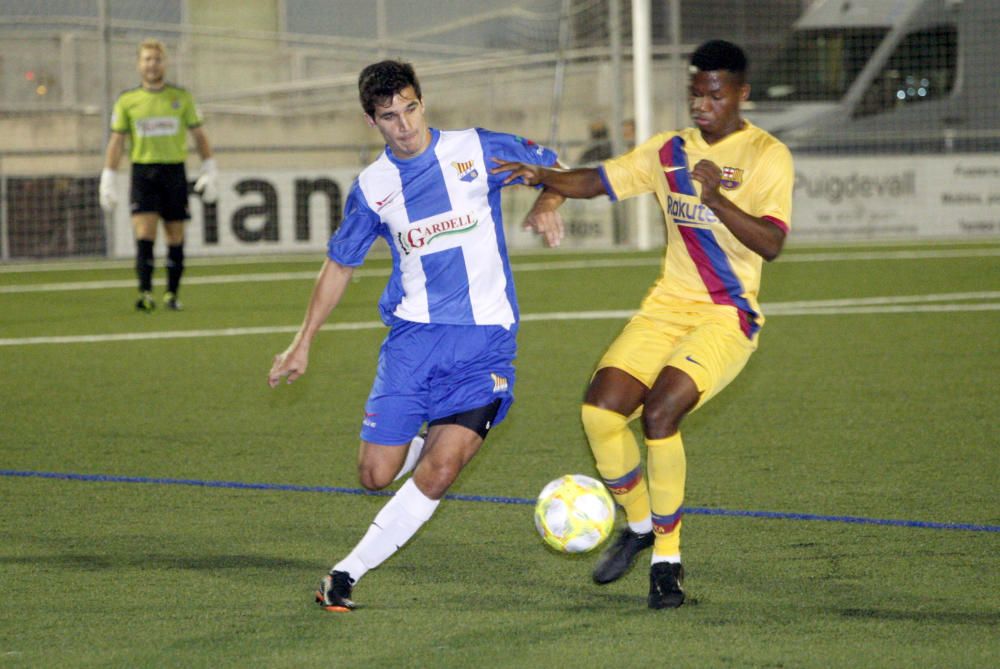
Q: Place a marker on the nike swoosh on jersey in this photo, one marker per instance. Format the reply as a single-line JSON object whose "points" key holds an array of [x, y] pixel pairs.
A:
{"points": [[386, 200], [690, 359], [673, 169]]}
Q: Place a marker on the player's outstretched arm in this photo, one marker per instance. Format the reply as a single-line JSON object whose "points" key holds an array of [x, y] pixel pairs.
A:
{"points": [[545, 219], [329, 289], [579, 183]]}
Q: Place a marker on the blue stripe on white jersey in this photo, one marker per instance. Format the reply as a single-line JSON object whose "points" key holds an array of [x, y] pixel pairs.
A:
{"points": [[440, 214]]}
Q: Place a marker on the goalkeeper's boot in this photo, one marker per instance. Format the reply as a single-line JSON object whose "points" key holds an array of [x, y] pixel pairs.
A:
{"points": [[665, 591], [617, 559], [334, 593], [145, 303], [170, 299]]}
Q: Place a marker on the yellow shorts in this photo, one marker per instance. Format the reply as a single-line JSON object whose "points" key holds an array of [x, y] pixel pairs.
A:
{"points": [[708, 347]]}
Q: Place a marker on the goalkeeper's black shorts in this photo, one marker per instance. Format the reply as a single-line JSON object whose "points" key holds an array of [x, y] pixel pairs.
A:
{"points": [[160, 188]]}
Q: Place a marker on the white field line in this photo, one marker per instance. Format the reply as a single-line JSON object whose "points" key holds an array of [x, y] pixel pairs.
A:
{"points": [[879, 305], [188, 281], [794, 253], [522, 266], [929, 254], [775, 307]]}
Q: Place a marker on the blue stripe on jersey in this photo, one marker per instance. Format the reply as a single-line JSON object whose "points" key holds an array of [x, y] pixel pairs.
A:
{"points": [[495, 210], [350, 242], [508, 147], [424, 190], [727, 276], [393, 293], [679, 159], [447, 287]]}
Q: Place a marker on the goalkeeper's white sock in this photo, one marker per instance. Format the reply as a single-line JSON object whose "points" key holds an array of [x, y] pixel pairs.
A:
{"points": [[416, 448], [398, 520]]}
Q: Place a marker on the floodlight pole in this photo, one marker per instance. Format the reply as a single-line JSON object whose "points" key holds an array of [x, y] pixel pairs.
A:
{"points": [[104, 54], [680, 72], [617, 101], [643, 103], [621, 215], [381, 29], [559, 77], [105, 59]]}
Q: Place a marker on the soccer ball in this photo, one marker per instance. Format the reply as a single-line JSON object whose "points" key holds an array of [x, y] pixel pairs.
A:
{"points": [[574, 513]]}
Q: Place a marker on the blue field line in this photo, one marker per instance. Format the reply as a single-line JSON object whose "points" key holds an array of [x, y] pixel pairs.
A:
{"points": [[694, 510]]}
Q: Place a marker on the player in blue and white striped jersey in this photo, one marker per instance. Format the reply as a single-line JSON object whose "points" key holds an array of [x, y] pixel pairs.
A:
{"points": [[450, 304]]}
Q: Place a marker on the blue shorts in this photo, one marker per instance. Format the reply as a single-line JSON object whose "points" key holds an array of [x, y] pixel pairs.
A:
{"points": [[428, 371]]}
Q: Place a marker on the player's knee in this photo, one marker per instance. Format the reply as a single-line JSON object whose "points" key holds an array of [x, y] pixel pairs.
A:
{"points": [[373, 477], [663, 418], [434, 477], [600, 423]]}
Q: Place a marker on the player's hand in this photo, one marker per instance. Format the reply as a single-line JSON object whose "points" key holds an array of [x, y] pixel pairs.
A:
{"points": [[709, 175], [289, 365], [207, 184], [520, 173], [107, 194], [548, 224]]}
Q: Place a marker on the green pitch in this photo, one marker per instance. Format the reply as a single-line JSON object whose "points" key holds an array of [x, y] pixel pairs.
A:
{"points": [[872, 398]]}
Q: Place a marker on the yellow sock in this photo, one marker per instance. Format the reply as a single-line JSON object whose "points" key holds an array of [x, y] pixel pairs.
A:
{"points": [[617, 455], [667, 471]]}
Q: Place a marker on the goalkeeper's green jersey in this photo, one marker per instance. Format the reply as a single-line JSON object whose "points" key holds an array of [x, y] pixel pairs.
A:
{"points": [[157, 122]]}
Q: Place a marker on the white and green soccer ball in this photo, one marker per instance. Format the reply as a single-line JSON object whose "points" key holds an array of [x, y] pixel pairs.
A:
{"points": [[574, 513]]}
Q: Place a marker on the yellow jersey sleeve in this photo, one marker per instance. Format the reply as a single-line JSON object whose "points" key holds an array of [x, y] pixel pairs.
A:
{"points": [[635, 172], [773, 184]]}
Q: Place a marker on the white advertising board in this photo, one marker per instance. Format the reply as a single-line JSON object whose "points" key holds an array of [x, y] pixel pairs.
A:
{"points": [[257, 213], [836, 199], [896, 197]]}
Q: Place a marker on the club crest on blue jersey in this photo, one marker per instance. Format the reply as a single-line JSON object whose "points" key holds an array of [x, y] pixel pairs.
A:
{"points": [[732, 177], [466, 170], [500, 384]]}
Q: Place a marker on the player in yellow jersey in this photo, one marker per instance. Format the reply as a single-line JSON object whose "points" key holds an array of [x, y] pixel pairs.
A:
{"points": [[156, 116], [725, 187]]}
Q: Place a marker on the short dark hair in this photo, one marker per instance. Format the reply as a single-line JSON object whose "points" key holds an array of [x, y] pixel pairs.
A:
{"points": [[380, 82], [719, 54]]}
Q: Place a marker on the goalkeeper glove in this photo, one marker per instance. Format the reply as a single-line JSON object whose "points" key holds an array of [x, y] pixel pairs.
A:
{"points": [[107, 193], [207, 184]]}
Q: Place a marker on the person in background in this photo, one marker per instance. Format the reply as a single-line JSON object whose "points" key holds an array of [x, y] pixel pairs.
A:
{"points": [[156, 116], [600, 142]]}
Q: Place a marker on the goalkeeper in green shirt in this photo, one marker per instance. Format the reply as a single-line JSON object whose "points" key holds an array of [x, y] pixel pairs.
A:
{"points": [[156, 117]]}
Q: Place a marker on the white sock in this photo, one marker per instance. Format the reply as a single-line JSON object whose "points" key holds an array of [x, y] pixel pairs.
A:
{"points": [[416, 447], [398, 520], [642, 527], [673, 559]]}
